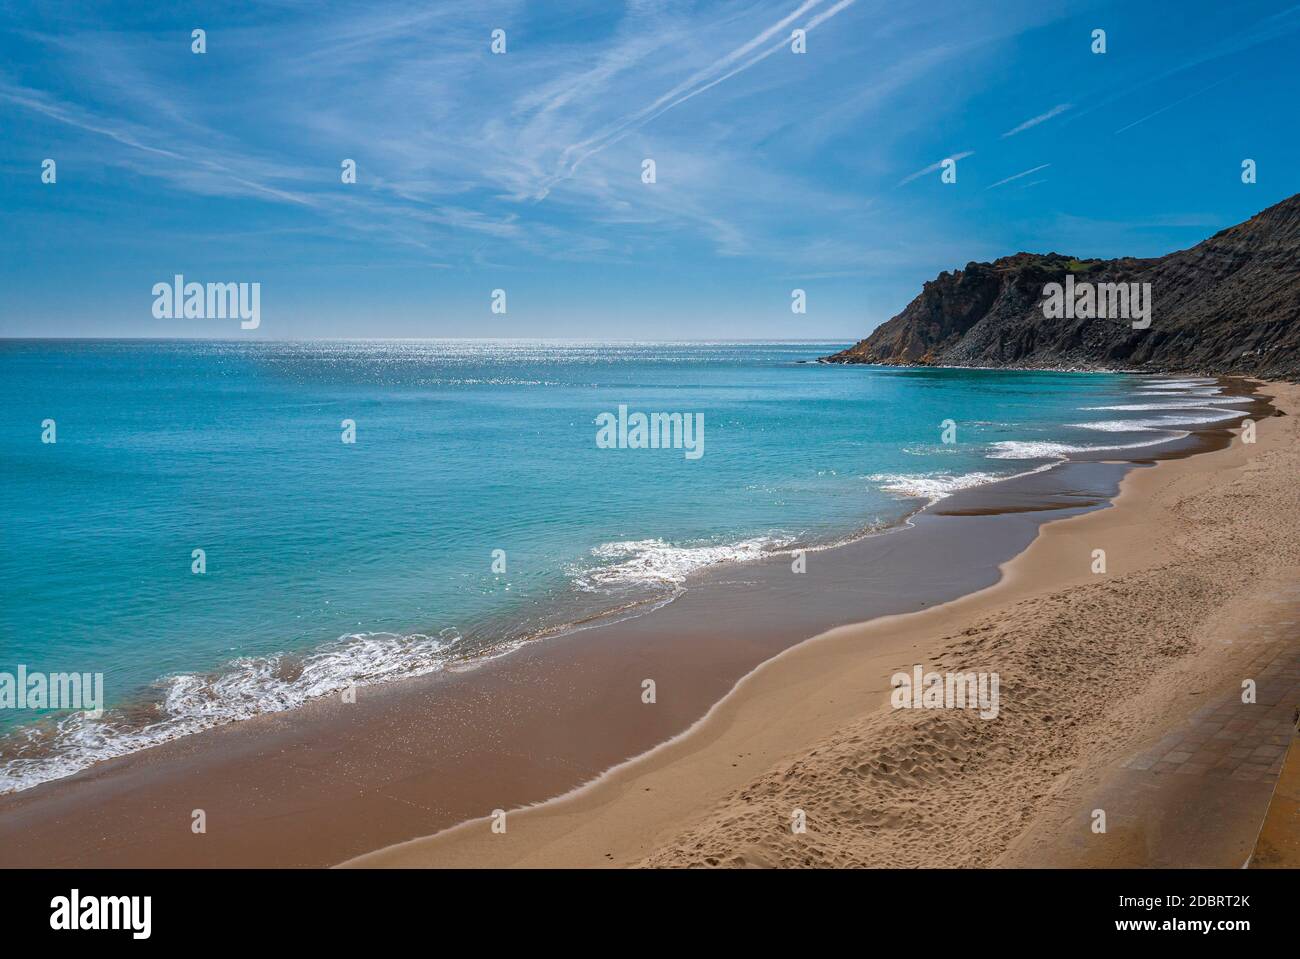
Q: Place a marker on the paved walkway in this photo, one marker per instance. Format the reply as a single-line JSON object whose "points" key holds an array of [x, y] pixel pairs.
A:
{"points": [[1278, 846], [1197, 796], [1235, 740]]}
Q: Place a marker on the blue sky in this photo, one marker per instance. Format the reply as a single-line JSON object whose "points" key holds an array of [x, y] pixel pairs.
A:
{"points": [[522, 171]]}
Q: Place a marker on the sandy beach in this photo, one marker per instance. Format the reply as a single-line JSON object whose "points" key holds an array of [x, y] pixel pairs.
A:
{"points": [[1120, 692]]}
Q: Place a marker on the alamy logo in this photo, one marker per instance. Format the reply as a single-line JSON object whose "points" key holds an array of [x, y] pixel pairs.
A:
{"points": [[656, 431], [1098, 301], [922, 690], [75, 912], [24, 690], [211, 301]]}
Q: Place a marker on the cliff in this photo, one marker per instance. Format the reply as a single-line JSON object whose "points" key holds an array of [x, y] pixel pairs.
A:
{"points": [[1230, 304]]}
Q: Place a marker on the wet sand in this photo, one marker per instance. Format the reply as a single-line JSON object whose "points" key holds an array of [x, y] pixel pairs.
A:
{"points": [[330, 781]]}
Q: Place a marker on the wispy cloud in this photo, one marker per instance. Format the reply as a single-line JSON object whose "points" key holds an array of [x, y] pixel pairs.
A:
{"points": [[185, 167], [731, 64], [1056, 111], [1170, 106], [1270, 29], [935, 166], [1017, 176], [451, 140]]}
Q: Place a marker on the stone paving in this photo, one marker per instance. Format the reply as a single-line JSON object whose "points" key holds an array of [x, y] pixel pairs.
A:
{"points": [[1197, 796], [1229, 739], [1222, 742]]}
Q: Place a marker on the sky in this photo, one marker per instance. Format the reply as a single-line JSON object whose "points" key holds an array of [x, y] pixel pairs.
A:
{"points": [[523, 171]]}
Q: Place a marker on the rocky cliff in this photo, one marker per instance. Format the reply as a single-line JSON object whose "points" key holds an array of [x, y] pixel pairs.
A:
{"points": [[1230, 304]]}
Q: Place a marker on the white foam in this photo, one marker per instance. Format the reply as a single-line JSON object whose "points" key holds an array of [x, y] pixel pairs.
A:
{"points": [[1179, 390], [248, 687], [1042, 449], [1208, 415], [1179, 383], [932, 486], [1196, 403], [659, 563]]}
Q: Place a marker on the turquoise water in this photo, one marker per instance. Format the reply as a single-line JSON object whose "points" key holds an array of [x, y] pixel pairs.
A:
{"points": [[329, 563]]}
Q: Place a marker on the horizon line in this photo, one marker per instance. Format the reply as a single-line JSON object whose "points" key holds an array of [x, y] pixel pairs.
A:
{"points": [[421, 339]]}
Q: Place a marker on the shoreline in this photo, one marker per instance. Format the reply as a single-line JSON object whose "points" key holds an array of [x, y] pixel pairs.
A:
{"points": [[145, 700], [319, 764], [139, 724], [720, 794]]}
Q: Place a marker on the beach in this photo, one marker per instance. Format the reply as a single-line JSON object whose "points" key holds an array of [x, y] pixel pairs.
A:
{"points": [[1122, 688], [749, 723]]}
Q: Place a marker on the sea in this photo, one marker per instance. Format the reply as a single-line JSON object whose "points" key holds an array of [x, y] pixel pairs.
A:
{"points": [[222, 529]]}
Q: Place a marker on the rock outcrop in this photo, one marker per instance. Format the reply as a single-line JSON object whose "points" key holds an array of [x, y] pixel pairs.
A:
{"points": [[1230, 304]]}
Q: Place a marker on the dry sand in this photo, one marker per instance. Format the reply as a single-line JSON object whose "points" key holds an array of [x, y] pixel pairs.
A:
{"points": [[1202, 560]]}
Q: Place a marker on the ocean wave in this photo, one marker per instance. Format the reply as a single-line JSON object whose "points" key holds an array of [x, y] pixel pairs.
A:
{"points": [[1043, 449], [1179, 389], [1195, 403], [1179, 383], [658, 563], [932, 486], [191, 702], [1208, 415]]}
